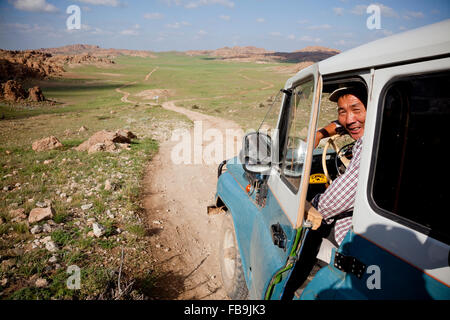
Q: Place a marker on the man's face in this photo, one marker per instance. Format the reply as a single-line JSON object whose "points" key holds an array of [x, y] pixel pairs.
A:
{"points": [[352, 115]]}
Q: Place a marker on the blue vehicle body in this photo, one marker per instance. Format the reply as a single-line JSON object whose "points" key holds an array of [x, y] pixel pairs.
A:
{"points": [[401, 281], [261, 260]]}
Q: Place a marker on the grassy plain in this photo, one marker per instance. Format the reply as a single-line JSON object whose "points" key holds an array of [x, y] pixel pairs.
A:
{"points": [[67, 179]]}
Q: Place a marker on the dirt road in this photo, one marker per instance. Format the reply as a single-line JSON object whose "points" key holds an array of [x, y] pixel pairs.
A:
{"points": [[185, 239]]}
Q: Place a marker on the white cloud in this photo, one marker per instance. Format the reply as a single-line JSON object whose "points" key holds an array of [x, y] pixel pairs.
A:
{"points": [[260, 20], [129, 32], [109, 3], [291, 37], [34, 5], [310, 39], [413, 14], [132, 31], [199, 3], [153, 16], [338, 11], [319, 27], [202, 33], [224, 17], [275, 34], [177, 25]]}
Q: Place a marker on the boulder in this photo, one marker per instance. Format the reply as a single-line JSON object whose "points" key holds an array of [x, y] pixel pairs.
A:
{"points": [[35, 94], [106, 141], [39, 214], [48, 143]]}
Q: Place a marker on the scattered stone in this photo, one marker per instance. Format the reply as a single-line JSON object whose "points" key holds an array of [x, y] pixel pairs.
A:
{"points": [[86, 206], [98, 229], [108, 185], [36, 229], [7, 188], [46, 228], [41, 283], [48, 161], [83, 129], [51, 246], [53, 259], [17, 215], [41, 204], [48, 143], [69, 199], [39, 214]]}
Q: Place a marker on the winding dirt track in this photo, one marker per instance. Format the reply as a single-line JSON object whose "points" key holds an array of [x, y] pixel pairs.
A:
{"points": [[185, 238]]}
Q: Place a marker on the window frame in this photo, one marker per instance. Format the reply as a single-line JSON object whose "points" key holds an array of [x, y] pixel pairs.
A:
{"points": [[374, 159], [288, 114]]}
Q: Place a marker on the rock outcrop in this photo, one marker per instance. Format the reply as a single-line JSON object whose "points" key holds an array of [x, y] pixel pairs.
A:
{"points": [[13, 91], [107, 141], [45, 144], [35, 94]]}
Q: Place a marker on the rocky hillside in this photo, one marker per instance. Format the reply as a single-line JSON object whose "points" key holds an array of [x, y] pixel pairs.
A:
{"points": [[96, 51], [303, 57], [21, 65]]}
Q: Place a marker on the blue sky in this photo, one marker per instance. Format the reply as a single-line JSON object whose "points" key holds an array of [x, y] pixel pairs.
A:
{"points": [[164, 25]]}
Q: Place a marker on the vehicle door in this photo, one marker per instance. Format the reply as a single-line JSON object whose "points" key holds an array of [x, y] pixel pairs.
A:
{"points": [[275, 230]]}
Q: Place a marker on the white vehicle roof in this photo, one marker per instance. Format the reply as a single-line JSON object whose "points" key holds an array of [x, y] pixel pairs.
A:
{"points": [[428, 41]]}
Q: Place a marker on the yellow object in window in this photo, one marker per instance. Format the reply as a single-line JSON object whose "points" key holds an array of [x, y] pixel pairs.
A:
{"points": [[318, 178]]}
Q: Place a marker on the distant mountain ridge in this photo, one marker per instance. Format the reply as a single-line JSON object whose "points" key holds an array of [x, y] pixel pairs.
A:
{"points": [[96, 51], [308, 54]]}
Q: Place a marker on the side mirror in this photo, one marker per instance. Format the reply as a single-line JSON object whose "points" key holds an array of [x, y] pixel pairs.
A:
{"points": [[256, 153]]}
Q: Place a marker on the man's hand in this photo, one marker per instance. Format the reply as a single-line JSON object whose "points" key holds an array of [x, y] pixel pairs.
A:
{"points": [[329, 130], [313, 216]]}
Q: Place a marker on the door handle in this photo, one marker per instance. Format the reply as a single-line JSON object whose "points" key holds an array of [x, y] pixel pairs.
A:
{"points": [[278, 236]]}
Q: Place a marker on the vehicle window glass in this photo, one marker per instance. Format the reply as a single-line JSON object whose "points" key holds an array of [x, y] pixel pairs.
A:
{"points": [[269, 123], [300, 110], [410, 181]]}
